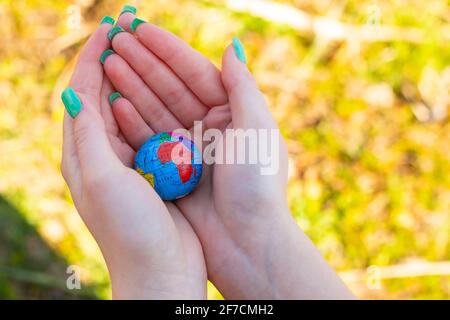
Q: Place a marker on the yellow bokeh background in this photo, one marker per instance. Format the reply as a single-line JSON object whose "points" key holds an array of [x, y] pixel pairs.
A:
{"points": [[361, 92]]}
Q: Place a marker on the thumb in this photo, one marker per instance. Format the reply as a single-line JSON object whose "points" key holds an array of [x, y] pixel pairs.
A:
{"points": [[247, 104], [96, 156]]}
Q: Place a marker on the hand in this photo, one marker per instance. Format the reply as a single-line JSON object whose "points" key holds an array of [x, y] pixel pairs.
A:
{"points": [[150, 249], [252, 245]]}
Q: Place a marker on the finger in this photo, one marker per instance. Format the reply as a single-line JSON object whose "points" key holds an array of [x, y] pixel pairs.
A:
{"points": [[181, 101], [70, 165], [131, 86], [247, 104], [125, 20], [88, 64], [219, 117], [96, 156], [124, 151], [131, 124], [105, 109], [88, 74], [196, 71]]}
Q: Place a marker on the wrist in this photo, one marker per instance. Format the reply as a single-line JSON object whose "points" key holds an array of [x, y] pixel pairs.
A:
{"points": [[152, 285], [143, 280], [261, 259], [295, 269], [285, 264], [278, 260]]}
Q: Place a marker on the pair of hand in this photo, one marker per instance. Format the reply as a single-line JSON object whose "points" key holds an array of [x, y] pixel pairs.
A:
{"points": [[235, 228]]}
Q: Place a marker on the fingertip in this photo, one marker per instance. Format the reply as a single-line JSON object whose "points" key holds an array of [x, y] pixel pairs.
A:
{"points": [[234, 72], [105, 55], [228, 58], [120, 106], [239, 50], [101, 33], [108, 20], [125, 113], [113, 97], [72, 102], [128, 9], [115, 69], [125, 20], [115, 31], [247, 103], [135, 23]]}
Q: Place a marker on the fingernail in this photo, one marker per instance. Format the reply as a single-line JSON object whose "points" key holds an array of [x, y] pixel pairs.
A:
{"points": [[128, 8], [114, 31], [105, 55], [114, 96], [134, 24], [239, 49], [71, 102], [107, 19]]}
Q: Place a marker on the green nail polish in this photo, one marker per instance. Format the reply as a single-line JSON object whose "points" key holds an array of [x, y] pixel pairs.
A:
{"points": [[114, 31], [71, 102], [105, 55], [114, 96], [107, 19], [134, 24], [239, 50], [128, 8]]}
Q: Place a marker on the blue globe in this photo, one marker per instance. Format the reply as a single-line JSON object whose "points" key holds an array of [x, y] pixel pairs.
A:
{"points": [[171, 163]]}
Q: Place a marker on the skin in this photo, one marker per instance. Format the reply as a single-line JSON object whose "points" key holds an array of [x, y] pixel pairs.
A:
{"points": [[243, 232], [149, 247]]}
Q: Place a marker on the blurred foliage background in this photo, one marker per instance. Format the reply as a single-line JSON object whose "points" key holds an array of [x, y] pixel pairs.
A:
{"points": [[360, 90]]}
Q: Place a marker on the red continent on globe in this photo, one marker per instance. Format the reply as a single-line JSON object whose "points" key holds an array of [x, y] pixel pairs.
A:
{"points": [[183, 159]]}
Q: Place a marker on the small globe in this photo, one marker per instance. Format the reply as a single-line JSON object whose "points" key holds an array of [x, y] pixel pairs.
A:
{"points": [[171, 163]]}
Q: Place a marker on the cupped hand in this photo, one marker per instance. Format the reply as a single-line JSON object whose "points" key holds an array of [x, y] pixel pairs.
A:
{"points": [[149, 247], [252, 245]]}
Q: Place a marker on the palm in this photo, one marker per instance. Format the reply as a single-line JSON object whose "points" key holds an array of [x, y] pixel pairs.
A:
{"points": [[167, 85], [126, 154], [101, 201]]}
